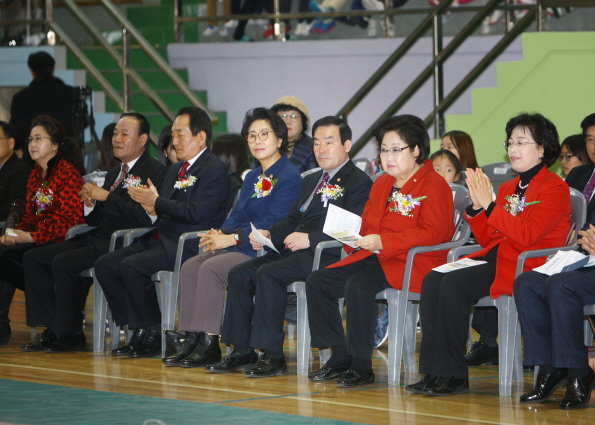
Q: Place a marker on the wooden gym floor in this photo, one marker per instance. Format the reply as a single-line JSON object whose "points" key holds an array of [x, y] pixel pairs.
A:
{"points": [[94, 388]]}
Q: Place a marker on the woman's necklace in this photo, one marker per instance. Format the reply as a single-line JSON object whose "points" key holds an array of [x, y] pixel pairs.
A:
{"points": [[523, 187]]}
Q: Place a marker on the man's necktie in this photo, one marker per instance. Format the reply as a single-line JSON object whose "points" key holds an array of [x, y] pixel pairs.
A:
{"points": [[120, 178], [588, 190], [325, 178], [182, 171]]}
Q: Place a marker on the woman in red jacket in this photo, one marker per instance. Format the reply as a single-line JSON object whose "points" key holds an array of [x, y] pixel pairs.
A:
{"points": [[531, 211], [411, 205], [53, 205]]}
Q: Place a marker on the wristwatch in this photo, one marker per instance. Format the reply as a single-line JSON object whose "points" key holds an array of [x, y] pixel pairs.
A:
{"points": [[237, 238]]}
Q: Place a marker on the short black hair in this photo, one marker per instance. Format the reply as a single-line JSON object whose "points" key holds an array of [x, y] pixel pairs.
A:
{"points": [[451, 157], [163, 143], [282, 107], [589, 121], [8, 129], [344, 129], [199, 121], [542, 130], [277, 124], [41, 63], [577, 146], [143, 123], [411, 129], [232, 150]]}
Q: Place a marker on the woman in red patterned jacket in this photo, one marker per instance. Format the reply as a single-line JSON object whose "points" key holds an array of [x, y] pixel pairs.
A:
{"points": [[53, 205]]}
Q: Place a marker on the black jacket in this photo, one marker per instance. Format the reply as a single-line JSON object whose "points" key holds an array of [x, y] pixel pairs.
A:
{"points": [[13, 183], [578, 179]]}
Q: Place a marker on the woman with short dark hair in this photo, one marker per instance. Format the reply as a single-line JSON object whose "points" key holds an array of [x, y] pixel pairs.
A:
{"points": [[531, 211], [411, 205], [52, 207], [266, 196]]}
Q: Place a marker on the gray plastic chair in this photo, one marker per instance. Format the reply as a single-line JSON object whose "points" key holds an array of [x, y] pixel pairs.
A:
{"points": [[310, 171], [303, 328], [363, 164], [403, 305], [499, 172], [509, 347]]}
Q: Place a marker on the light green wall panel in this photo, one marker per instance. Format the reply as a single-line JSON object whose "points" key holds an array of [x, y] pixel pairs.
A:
{"points": [[556, 78]]}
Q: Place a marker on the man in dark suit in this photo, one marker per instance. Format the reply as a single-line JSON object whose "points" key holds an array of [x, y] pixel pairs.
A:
{"points": [[14, 172], [55, 292], [252, 324], [580, 176], [46, 95], [194, 198]]}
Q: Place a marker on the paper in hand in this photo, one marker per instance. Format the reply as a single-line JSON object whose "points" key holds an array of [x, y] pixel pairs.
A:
{"points": [[260, 238], [457, 265], [10, 232]]}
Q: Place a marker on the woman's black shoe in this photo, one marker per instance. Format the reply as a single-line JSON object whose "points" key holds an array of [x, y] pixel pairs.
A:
{"points": [[545, 386], [190, 344], [207, 351], [46, 339], [5, 330], [420, 387], [481, 353], [448, 386], [173, 342]]}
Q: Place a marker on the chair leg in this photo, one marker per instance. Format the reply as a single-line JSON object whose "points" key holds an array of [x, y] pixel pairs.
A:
{"points": [[397, 311], [410, 337], [99, 315], [303, 328]]}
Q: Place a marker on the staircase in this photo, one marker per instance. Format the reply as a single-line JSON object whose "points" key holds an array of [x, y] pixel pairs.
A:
{"points": [[156, 25]]}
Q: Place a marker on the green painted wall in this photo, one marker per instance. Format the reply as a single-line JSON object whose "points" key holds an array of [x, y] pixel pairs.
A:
{"points": [[556, 78]]}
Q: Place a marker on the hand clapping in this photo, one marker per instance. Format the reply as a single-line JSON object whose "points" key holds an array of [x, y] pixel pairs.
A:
{"points": [[480, 188]]}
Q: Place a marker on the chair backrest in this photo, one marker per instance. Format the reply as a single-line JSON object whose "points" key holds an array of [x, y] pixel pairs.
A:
{"points": [[461, 200], [308, 172], [96, 176], [578, 216], [363, 164], [378, 174], [499, 172]]}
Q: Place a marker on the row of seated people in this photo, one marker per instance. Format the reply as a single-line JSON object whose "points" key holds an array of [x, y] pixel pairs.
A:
{"points": [[410, 205]]}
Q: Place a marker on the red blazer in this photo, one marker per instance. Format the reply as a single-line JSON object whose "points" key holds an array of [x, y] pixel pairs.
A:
{"points": [[542, 225], [431, 223], [65, 209]]}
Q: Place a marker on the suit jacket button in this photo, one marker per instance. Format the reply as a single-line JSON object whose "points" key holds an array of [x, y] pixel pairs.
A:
{"points": [[303, 225]]}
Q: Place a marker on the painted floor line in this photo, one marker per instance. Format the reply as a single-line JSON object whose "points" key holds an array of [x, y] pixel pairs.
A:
{"points": [[293, 396]]}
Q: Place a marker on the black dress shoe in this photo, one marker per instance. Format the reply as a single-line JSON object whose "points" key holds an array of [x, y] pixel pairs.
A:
{"points": [[328, 373], [545, 386], [420, 387], [353, 379], [232, 362], [189, 345], [207, 351], [267, 366], [68, 342], [173, 341], [578, 391], [448, 386], [42, 342], [481, 353], [137, 337], [150, 346]]}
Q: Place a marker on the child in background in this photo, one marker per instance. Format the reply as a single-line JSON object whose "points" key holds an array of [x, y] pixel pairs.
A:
{"points": [[447, 165]]}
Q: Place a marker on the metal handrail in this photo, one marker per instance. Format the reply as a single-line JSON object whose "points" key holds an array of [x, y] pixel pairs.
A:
{"points": [[159, 61]]}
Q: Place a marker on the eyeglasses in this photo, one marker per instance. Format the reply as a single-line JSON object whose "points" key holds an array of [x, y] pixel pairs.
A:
{"points": [[291, 117], [565, 157], [394, 151], [37, 139], [589, 140], [263, 135], [519, 143]]}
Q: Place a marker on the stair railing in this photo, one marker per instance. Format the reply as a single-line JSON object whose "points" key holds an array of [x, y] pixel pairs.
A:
{"points": [[123, 61]]}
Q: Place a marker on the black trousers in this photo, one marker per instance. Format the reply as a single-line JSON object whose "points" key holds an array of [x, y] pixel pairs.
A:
{"points": [[125, 277], [446, 299], [358, 283], [551, 315], [55, 291], [256, 300], [11, 272]]}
